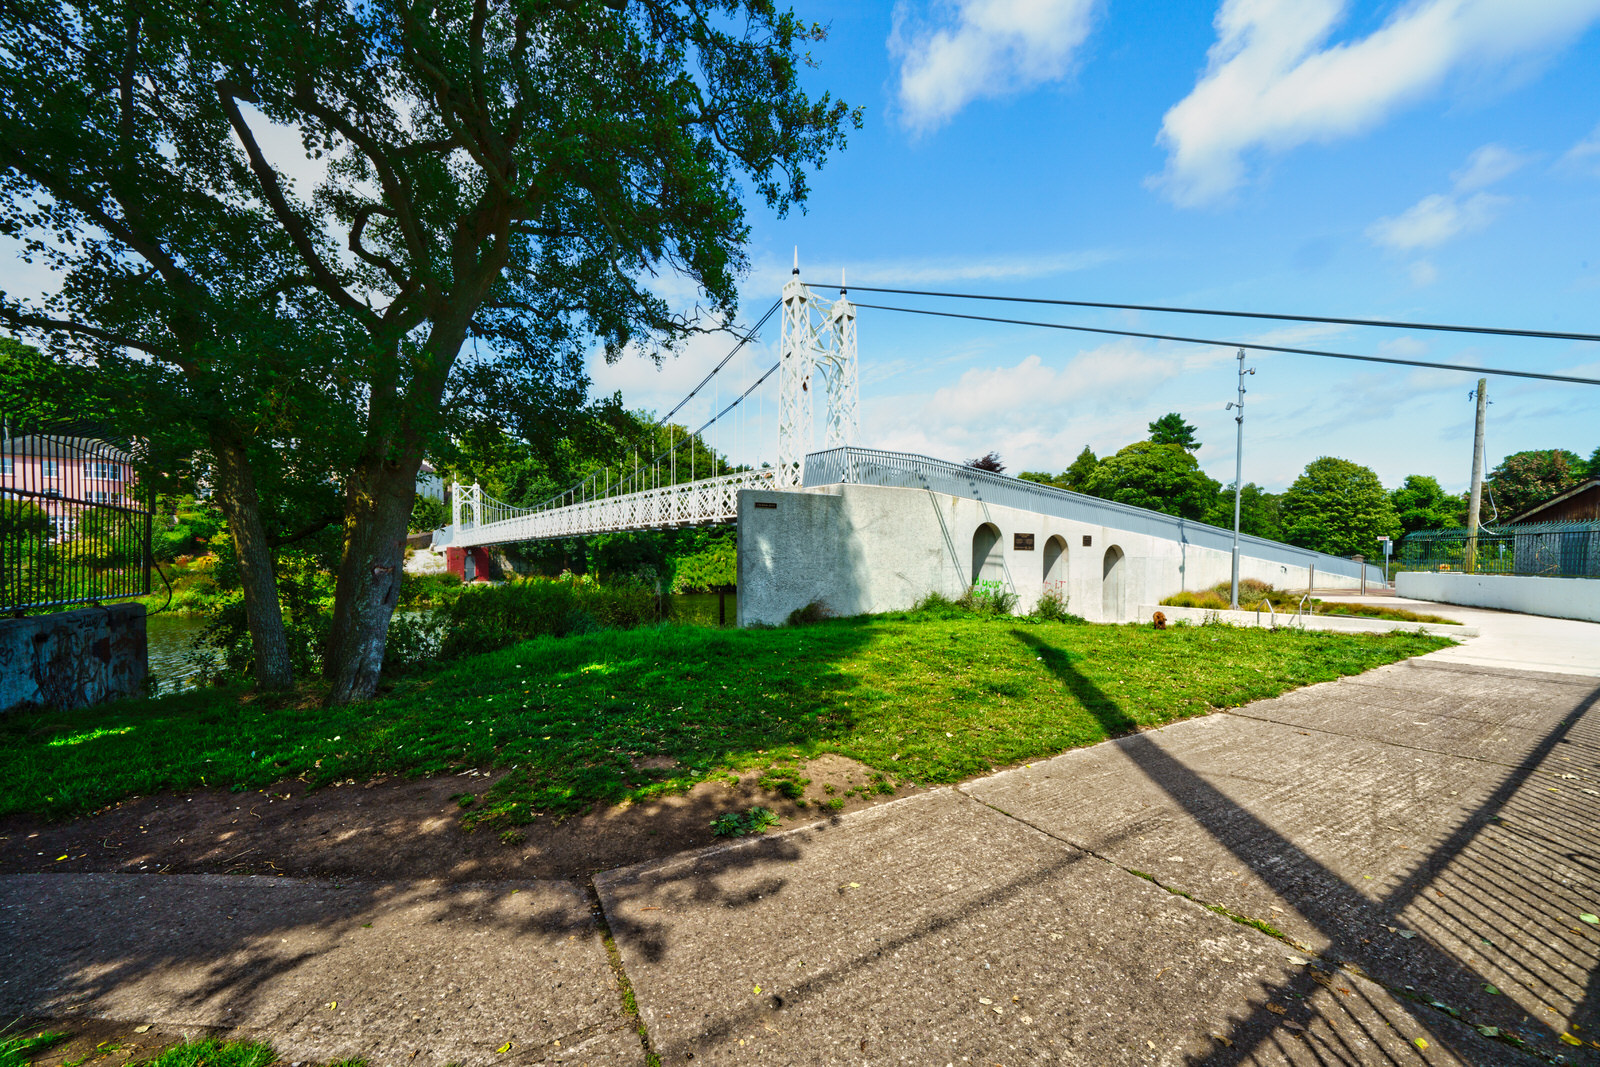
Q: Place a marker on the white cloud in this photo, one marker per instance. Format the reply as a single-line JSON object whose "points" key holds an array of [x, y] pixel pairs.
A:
{"points": [[1423, 273], [1584, 157], [1490, 164], [1273, 82], [1438, 217], [981, 48], [1435, 219]]}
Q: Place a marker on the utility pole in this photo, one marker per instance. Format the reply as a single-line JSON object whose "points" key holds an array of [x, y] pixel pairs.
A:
{"points": [[1477, 481], [1238, 478]]}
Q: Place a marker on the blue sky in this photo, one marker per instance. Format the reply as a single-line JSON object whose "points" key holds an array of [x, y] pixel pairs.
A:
{"points": [[1432, 161]]}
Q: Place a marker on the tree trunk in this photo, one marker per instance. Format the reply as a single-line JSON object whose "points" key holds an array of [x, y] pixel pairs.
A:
{"points": [[377, 509], [236, 493]]}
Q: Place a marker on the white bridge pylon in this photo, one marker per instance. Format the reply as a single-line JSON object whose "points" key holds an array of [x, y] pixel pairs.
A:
{"points": [[818, 338]]}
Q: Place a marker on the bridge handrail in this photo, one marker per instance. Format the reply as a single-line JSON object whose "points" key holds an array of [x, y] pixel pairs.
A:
{"points": [[483, 520], [906, 470]]}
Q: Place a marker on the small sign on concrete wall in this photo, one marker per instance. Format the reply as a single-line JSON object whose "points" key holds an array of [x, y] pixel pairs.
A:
{"points": [[1022, 542]]}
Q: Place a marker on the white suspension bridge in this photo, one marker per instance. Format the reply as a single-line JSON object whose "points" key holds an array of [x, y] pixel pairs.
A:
{"points": [[860, 530], [818, 342]]}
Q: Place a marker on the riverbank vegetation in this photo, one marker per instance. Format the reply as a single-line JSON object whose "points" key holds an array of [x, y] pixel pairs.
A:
{"points": [[618, 715]]}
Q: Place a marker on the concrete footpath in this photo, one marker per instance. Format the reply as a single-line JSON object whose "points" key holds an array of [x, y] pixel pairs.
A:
{"points": [[1388, 869]]}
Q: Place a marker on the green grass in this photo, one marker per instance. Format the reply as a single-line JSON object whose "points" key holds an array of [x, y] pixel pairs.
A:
{"points": [[18, 1050], [1254, 596], [919, 699]]}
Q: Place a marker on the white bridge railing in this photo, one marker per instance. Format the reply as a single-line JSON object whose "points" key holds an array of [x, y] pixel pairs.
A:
{"points": [[480, 519]]}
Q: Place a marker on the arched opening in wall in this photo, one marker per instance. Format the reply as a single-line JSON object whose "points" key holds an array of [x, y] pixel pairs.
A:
{"points": [[1055, 563], [987, 565], [1111, 585]]}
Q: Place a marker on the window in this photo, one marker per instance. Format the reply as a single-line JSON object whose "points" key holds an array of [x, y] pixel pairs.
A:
{"points": [[100, 496], [47, 468], [110, 472], [54, 493], [6, 465]]}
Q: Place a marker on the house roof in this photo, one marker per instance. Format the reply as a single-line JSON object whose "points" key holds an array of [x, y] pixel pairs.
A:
{"points": [[38, 446], [1581, 487]]}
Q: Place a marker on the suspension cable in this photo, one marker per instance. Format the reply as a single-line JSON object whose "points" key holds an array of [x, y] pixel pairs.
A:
{"points": [[1384, 323], [1243, 344]]}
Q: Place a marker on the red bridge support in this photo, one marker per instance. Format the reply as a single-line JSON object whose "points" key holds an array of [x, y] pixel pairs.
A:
{"points": [[469, 564]]}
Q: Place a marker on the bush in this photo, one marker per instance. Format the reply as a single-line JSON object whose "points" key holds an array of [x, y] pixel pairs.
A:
{"points": [[427, 514], [989, 600], [485, 618], [815, 611], [1052, 607]]}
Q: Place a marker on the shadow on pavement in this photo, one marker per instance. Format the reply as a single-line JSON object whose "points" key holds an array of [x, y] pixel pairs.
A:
{"points": [[1473, 877]]}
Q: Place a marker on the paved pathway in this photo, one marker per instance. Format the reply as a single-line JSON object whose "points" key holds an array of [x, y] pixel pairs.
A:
{"points": [[1339, 875]]}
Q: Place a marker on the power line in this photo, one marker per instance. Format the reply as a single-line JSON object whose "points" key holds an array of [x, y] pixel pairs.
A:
{"points": [[1242, 344], [1386, 323]]}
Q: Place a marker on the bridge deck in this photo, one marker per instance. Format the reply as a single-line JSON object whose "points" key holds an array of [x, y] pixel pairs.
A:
{"points": [[486, 521]]}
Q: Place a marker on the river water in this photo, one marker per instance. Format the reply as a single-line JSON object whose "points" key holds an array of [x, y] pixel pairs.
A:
{"points": [[174, 662]]}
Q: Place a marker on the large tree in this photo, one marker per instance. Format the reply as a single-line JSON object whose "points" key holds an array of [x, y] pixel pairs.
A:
{"points": [[501, 178], [1421, 504], [1525, 479], [1339, 507], [1160, 477], [1260, 512]]}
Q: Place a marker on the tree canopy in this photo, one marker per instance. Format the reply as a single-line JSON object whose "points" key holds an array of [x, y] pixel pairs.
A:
{"points": [[1159, 477], [1260, 512], [1338, 507], [1526, 479], [491, 188], [989, 461], [1421, 504], [1170, 429]]}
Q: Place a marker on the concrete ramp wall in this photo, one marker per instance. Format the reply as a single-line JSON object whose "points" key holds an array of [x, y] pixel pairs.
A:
{"points": [[1559, 598], [865, 548]]}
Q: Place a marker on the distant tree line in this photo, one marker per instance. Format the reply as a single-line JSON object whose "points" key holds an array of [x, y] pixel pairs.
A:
{"points": [[1334, 506]]}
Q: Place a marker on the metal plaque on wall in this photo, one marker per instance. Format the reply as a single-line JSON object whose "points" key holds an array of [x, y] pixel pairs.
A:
{"points": [[1022, 542]]}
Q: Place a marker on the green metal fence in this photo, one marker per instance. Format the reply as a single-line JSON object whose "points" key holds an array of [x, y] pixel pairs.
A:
{"points": [[1551, 549]]}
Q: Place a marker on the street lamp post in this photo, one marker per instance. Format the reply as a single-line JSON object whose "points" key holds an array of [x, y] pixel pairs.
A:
{"points": [[1238, 478]]}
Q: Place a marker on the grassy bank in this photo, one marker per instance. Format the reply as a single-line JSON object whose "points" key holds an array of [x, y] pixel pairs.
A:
{"points": [[920, 699]]}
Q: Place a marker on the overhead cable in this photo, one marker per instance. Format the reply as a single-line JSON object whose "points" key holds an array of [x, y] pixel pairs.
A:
{"points": [[1243, 344], [1386, 323]]}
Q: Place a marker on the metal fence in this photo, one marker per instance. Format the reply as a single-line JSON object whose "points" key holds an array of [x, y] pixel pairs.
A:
{"points": [[905, 470], [74, 525], [1550, 549]]}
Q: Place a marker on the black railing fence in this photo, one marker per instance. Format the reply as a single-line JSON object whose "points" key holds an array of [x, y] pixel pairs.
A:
{"points": [[74, 524], [1552, 549]]}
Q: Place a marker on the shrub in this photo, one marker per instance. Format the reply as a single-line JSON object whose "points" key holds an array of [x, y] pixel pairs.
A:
{"points": [[485, 618], [988, 600], [1052, 607], [815, 611]]}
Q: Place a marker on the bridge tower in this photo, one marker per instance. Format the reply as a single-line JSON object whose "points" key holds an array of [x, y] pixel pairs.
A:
{"points": [[817, 337]]}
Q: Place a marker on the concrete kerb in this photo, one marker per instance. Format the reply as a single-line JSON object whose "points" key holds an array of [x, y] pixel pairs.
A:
{"points": [[1349, 624]]}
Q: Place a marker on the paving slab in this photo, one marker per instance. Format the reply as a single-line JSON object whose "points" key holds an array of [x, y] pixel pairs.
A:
{"points": [[421, 973], [935, 930], [1481, 713], [1423, 868]]}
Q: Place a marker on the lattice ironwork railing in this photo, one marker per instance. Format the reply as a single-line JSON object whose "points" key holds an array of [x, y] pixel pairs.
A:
{"points": [[482, 520]]}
